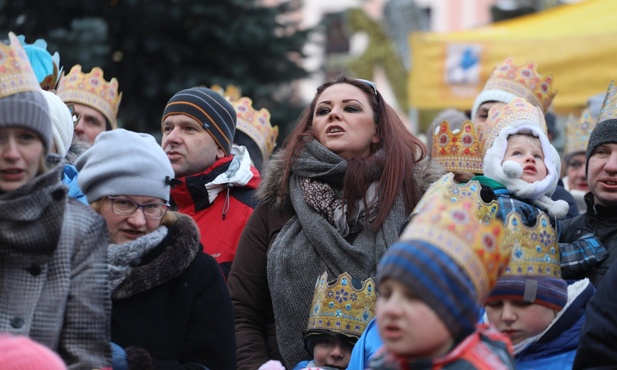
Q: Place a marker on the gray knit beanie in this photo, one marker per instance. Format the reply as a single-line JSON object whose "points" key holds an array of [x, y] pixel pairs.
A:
{"points": [[122, 162], [209, 108], [28, 110], [605, 132]]}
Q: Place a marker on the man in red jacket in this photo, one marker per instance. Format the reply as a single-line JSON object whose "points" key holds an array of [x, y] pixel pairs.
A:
{"points": [[215, 181]]}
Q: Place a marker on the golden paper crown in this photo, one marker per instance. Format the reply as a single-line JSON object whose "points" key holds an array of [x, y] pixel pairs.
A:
{"points": [[16, 74], [457, 150], [446, 186], [535, 250], [499, 117], [38, 51], [609, 105], [256, 125], [523, 81], [578, 131], [477, 247], [231, 92], [341, 307], [91, 89]]}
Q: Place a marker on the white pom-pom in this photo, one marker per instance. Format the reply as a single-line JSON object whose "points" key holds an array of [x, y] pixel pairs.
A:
{"points": [[512, 169], [272, 365]]}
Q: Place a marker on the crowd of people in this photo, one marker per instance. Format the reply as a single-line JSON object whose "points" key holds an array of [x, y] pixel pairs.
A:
{"points": [[355, 245]]}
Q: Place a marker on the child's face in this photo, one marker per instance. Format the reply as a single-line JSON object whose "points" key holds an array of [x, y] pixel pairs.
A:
{"points": [[519, 320], [527, 152], [407, 325], [332, 352]]}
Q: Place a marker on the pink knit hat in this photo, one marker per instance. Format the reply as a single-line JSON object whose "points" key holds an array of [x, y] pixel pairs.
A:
{"points": [[22, 353]]}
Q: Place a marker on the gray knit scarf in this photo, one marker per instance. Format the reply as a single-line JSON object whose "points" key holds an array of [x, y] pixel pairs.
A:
{"points": [[308, 245], [31, 217], [121, 258]]}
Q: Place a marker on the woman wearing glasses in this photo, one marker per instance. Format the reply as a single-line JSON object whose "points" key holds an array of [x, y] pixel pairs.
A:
{"points": [[332, 200], [170, 305]]}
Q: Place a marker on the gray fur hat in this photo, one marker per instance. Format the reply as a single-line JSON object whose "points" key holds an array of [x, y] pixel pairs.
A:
{"points": [[122, 162], [28, 110]]}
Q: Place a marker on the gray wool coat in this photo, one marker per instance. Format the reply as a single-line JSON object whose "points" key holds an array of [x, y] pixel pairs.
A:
{"points": [[53, 272]]}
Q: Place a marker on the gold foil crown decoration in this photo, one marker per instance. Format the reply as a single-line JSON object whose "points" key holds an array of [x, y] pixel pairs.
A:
{"points": [[16, 74], [578, 131], [477, 247], [499, 117], [256, 125], [523, 81], [458, 150], [341, 307], [91, 89], [535, 250], [609, 106]]}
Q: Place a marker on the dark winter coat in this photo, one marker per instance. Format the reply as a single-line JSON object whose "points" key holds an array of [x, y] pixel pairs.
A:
{"points": [[600, 222], [175, 318]]}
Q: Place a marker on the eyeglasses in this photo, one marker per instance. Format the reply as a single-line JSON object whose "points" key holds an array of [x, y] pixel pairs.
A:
{"points": [[370, 83], [126, 207], [76, 117]]}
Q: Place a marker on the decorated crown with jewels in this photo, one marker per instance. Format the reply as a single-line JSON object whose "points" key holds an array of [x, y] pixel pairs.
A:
{"points": [[446, 186], [476, 246], [256, 125], [457, 150], [578, 131], [609, 105], [16, 74], [91, 89], [535, 250], [344, 306], [523, 81], [518, 109]]}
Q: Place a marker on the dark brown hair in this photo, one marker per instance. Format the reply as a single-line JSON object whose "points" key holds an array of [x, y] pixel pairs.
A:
{"points": [[401, 150]]}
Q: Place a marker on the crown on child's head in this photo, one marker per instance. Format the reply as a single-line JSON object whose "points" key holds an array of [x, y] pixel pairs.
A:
{"points": [[91, 89], [609, 105], [578, 131], [523, 81], [457, 150], [535, 251], [447, 187], [45, 65], [341, 307], [534, 273], [499, 117], [454, 227], [256, 125], [16, 74]]}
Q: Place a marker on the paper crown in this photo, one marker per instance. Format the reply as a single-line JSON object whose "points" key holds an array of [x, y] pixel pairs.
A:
{"points": [[578, 131], [535, 251], [523, 81], [499, 117], [476, 246], [609, 105], [45, 65], [256, 125], [455, 192], [457, 150], [231, 92], [91, 89], [341, 307], [16, 74]]}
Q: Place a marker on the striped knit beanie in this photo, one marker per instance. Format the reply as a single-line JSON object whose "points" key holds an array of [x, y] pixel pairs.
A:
{"points": [[209, 108], [435, 278]]}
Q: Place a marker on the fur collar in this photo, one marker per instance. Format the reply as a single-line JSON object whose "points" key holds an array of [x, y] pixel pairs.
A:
{"points": [[166, 262], [426, 172]]}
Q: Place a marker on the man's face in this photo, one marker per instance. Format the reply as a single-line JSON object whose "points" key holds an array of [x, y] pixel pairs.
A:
{"points": [[188, 145], [91, 123], [602, 174]]}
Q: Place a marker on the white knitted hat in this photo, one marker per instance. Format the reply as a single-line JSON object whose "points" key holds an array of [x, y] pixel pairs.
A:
{"points": [[61, 122]]}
